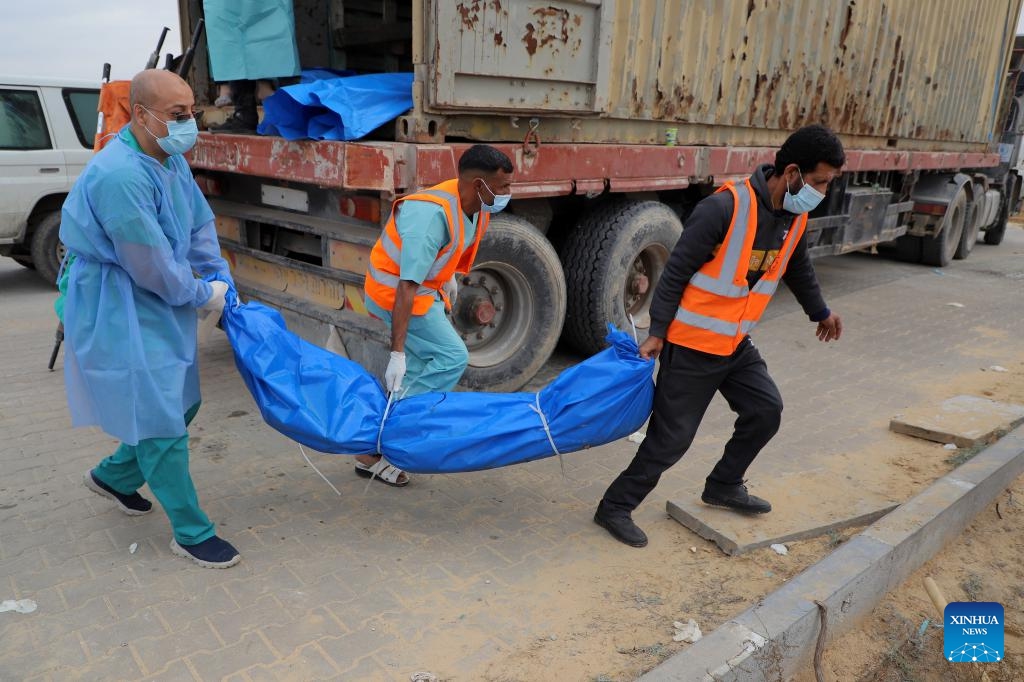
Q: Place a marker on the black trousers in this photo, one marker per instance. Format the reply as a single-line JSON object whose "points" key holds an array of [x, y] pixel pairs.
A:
{"points": [[687, 382]]}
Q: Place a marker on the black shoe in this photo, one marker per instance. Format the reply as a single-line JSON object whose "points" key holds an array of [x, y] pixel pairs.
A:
{"points": [[235, 125], [210, 553], [133, 505], [734, 497], [621, 526]]}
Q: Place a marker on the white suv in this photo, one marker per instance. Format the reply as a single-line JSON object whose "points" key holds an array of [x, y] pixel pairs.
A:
{"points": [[47, 129]]}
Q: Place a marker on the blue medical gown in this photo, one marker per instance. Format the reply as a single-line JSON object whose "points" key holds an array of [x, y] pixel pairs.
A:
{"points": [[138, 230]]}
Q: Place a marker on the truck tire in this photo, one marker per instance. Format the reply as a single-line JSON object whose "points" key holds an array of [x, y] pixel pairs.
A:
{"points": [[46, 247], [939, 250], [613, 260], [511, 307], [971, 230], [907, 249], [994, 234]]}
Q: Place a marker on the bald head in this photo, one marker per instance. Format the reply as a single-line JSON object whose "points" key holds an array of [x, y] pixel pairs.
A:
{"points": [[157, 97], [158, 87]]}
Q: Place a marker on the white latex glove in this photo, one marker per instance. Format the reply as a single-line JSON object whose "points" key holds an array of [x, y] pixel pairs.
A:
{"points": [[395, 372], [209, 313], [215, 303], [451, 288]]}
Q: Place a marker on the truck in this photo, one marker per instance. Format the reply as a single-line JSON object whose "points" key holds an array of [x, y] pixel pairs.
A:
{"points": [[620, 115], [46, 137]]}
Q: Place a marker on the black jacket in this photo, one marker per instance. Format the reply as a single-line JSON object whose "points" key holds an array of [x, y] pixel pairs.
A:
{"points": [[706, 229]]}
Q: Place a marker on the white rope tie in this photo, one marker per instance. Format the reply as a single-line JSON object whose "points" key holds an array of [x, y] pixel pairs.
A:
{"points": [[633, 323], [303, 451], [547, 430], [380, 435]]}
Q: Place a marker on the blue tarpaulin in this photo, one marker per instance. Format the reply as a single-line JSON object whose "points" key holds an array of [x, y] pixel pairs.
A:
{"points": [[341, 108], [333, 405]]}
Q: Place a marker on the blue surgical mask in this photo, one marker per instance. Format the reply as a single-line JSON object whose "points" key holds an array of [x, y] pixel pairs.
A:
{"points": [[804, 201], [180, 138], [500, 201]]}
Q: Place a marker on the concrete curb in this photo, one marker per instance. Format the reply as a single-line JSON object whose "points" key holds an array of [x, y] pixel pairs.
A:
{"points": [[775, 639]]}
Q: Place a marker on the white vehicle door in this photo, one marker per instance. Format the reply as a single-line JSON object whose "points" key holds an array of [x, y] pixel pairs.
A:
{"points": [[30, 165], [77, 105]]}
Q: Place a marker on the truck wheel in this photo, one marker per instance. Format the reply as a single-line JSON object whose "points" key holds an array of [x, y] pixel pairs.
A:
{"points": [[613, 260], [971, 230], [511, 307], [46, 247], [994, 234], [939, 250]]}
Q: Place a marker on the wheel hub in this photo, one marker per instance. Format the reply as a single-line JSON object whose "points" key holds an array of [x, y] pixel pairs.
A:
{"points": [[646, 266], [479, 309]]}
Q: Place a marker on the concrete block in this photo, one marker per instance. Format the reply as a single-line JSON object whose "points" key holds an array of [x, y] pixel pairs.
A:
{"points": [[965, 420], [727, 650], [795, 515]]}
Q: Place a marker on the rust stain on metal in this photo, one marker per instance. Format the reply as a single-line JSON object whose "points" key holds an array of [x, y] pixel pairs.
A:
{"points": [[470, 14], [552, 26], [530, 40], [499, 40], [846, 26]]}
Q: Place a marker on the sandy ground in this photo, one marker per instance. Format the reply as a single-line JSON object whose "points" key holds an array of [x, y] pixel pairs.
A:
{"points": [[632, 630], [983, 564]]}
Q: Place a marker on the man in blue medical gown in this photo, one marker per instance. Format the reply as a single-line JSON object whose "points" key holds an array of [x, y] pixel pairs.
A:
{"points": [[140, 232]]}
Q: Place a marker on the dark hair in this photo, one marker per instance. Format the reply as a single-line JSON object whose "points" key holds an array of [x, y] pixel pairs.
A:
{"points": [[808, 147], [484, 157]]}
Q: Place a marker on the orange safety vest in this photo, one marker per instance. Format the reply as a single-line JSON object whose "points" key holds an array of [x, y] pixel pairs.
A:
{"points": [[717, 309], [383, 275]]}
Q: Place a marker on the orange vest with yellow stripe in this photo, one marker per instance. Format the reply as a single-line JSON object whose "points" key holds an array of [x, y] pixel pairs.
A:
{"points": [[717, 309], [384, 273]]}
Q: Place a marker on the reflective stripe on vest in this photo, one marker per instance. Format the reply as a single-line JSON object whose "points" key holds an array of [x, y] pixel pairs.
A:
{"points": [[704, 322], [724, 284], [392, 280]]}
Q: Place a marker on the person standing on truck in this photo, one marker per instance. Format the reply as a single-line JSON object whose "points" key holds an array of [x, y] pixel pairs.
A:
{"points": [[738, 243], [138, 228], [430, 239], [250, 42]]}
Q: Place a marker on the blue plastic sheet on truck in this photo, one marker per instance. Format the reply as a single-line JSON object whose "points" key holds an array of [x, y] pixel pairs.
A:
{"points": [[333, 405], [343, 108]]}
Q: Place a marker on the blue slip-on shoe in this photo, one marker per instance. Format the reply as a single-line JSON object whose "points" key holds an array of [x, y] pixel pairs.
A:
{"points": [[210, 553], [133, 505]]}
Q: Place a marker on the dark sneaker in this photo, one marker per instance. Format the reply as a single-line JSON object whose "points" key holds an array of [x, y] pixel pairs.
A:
{"points": [[734, 497], [235, 125], [133, 505], [621, 527], [210, 553]]}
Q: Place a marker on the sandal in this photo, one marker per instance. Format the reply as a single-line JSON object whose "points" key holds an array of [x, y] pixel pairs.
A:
{"points": [[384, 472]]}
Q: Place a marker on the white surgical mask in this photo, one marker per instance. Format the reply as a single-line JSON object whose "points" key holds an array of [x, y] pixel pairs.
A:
{"points": [[804, 201], [500, 201]]}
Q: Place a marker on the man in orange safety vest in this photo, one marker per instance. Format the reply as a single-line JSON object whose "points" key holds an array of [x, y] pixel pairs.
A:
{"points": [[430, 240], [738, 244]]}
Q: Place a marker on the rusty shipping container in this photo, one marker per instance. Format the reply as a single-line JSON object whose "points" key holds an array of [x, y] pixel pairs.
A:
{"points": [[905, 74]]}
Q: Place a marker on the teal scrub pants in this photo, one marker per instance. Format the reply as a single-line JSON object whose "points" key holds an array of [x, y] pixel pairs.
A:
{"points": [[435, 355], [163, 464]]}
